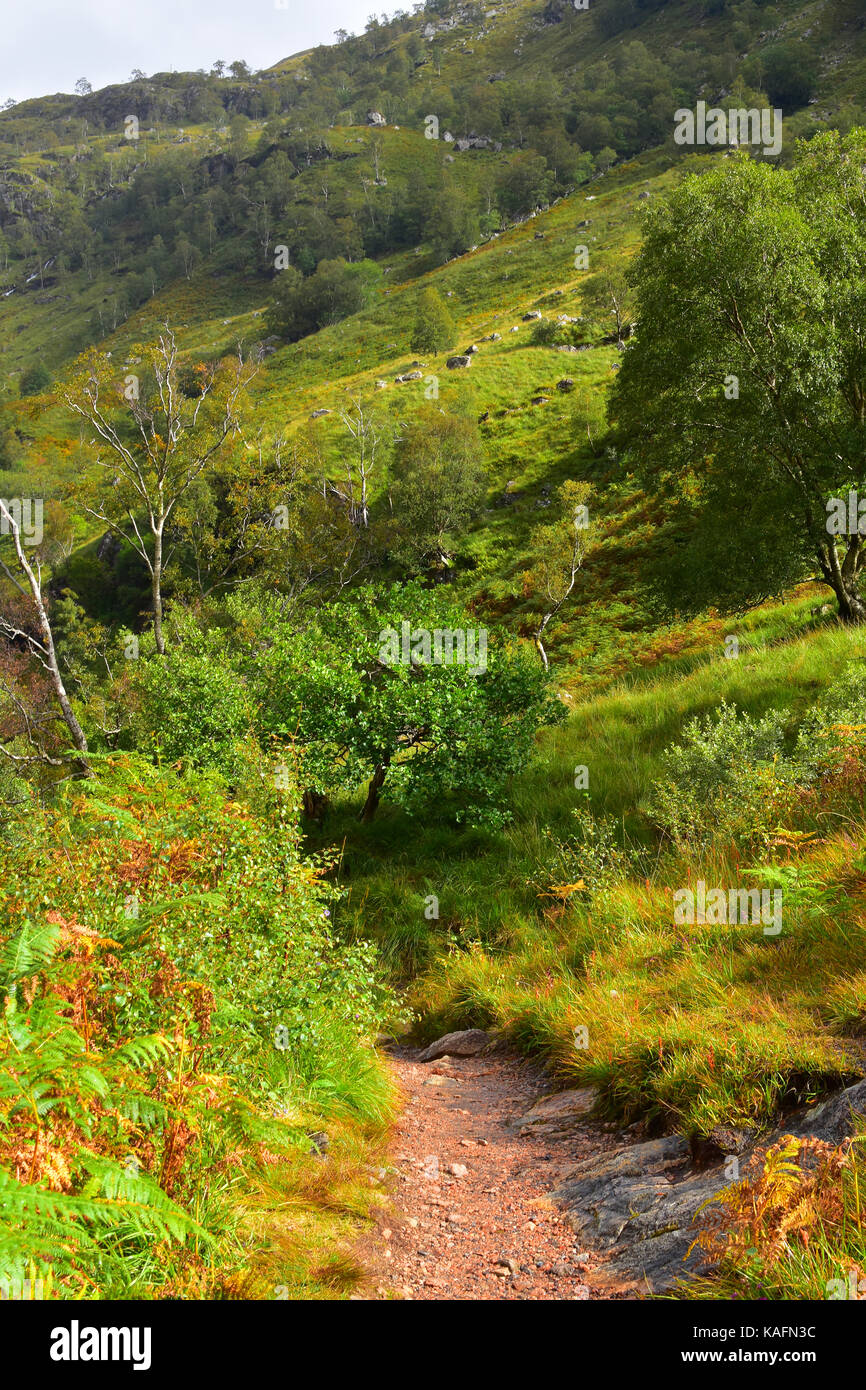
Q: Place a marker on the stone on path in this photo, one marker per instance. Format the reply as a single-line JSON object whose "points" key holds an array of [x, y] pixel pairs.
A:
{"points": [[467, 1043]]}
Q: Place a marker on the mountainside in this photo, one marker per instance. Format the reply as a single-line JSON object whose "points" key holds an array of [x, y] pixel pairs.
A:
{"points": [[442, 327]]}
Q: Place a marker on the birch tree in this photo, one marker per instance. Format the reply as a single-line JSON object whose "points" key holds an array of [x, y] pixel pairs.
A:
{"points": [[28, 580], [560, 550], [153, 445]]}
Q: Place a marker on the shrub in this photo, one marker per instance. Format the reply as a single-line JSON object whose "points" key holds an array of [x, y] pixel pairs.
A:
{"points": [[35, 380], [191, 708], [724, 779], [434, 328]]}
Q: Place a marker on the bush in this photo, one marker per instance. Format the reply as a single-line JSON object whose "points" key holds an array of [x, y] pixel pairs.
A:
{"points": [[434, 329], [35, 380], [193, 709], [336, 290], [724, 779], [433, 730], [181, 1009]]}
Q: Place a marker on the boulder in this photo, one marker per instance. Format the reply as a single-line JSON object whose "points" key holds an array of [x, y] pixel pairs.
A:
{"points": [[558, 1111], [533, 314], [467, 1043], [639, 1203], [375, 118], [566, 384], [454, 362]]}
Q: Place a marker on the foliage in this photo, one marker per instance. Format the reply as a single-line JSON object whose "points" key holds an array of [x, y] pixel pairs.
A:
{"points": [[434, 329], [180, 996], [447, 729], [334, 291], [34, 381], [439, 485], [792, 1229], [737, 380], [189, 708]]}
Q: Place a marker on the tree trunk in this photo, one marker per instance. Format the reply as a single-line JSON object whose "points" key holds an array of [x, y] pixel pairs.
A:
{"points": [[156, 590], [315, 805], [377, 781], [844, 579], [79, 739], [852, 609]]}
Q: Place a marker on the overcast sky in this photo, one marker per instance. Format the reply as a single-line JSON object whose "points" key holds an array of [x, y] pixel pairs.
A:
{"points": [[46, 45]]}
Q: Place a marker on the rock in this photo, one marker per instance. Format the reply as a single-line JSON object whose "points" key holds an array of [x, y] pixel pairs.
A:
{"points": [[627, 1203], [533, 314], [318, 413], [454, 362], [375, 118], [539, 236], [561, 1109], [319, 1142], [458, 1170], [643, 195], [472, 349], [566, 384], [108, 549], [540, 400], [833, 1120], [639, 1203], [380, 385], [467, 1043]]}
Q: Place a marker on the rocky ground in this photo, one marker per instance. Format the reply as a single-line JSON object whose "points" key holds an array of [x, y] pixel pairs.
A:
{"points": [[475, 1163], [503, 1189]]}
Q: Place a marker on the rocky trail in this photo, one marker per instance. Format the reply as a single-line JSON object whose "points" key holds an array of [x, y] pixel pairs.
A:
{"points": [[475, 1157], [504, 1189]]}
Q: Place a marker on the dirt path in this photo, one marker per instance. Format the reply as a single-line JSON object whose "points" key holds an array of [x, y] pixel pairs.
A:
{"points": [[471, 1215]]}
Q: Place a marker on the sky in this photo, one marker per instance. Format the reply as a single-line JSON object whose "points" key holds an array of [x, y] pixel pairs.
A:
{"points": [[46, 45]]}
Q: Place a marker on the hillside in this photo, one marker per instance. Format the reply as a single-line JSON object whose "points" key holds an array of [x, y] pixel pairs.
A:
{"points": [[296, 358]]}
